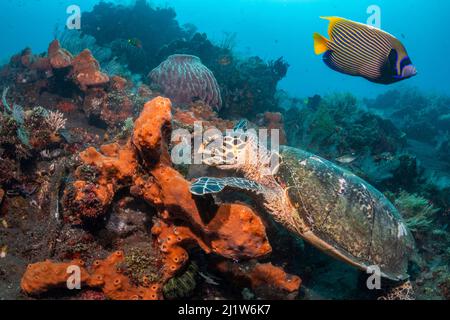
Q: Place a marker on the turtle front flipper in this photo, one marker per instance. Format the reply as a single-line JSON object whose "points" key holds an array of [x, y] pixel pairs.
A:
{"points": [[207, 185]]}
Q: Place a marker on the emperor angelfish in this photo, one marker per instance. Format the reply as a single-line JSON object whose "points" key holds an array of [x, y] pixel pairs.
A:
{"points": [[360, 50]]}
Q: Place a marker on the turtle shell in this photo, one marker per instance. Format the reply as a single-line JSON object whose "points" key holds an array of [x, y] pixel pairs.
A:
{"points": [[344, 215]]}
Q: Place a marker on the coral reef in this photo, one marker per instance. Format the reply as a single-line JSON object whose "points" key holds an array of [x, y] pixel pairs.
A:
{"points": [[335, 126], [143, 166], [182, 286], [65, 80], [23, 133], [59, 57], [265, 279], [86, 71], [273, 121], [84, 68], [153, 27], [417, 211], [86, 177], [422, 117], [183, 79], [103, 274], [248, 85]]}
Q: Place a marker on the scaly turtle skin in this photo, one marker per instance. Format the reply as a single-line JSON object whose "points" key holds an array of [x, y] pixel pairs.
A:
{"points": [[321, 202]]}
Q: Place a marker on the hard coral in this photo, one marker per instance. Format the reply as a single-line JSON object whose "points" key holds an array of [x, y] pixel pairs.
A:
{"points": [[59, 57], [274, 121], [184, 79], [86, 71], [200, 112], [111, 106], [154, 27]]}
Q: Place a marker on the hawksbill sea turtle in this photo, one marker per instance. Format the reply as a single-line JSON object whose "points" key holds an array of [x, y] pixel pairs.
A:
{"points": [[324, 204]]}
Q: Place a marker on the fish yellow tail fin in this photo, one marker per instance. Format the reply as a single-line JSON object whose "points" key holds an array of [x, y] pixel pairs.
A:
{"points": [[320, 44]]}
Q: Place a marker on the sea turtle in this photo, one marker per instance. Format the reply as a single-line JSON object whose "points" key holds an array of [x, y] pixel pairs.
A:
{"points": [[324, 204]]}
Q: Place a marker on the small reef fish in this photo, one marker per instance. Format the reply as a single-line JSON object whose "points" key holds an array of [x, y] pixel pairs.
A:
{"points": [[346, 159], [225, 60], [357, 49], [135, 42]]}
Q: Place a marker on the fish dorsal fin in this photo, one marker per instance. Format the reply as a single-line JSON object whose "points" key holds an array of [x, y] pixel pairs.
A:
{"points": [[333, 21]]}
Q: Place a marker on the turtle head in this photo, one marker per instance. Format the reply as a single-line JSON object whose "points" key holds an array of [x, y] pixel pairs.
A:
{"points": [[239, 149], [231, 150]]}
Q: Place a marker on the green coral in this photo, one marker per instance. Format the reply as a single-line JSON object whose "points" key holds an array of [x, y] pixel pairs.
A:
{"points": [[88, 173], [14, 117], [127, 128], [4, 101], [143, 265], [337, 125], [182, 286], [419, 214]]}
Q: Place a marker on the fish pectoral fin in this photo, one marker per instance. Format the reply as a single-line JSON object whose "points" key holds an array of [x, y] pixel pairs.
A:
{"points": [[320, 44]]}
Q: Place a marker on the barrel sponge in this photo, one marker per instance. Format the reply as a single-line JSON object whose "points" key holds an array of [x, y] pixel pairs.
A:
{"points": [[183, 78]]}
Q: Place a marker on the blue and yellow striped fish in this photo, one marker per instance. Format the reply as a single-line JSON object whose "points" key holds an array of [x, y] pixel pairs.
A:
{"points": [[360, 50]]}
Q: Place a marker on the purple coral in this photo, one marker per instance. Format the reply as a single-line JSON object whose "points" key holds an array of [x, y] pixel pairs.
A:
{"points": [[183, 78]]}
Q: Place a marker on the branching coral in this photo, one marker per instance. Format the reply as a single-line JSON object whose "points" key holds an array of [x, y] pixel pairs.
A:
{"points": [[25, 133], [56, 121]]}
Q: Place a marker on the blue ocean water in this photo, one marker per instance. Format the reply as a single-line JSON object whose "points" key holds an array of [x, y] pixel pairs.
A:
{"points": [[54, 107], [270, 29]]}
